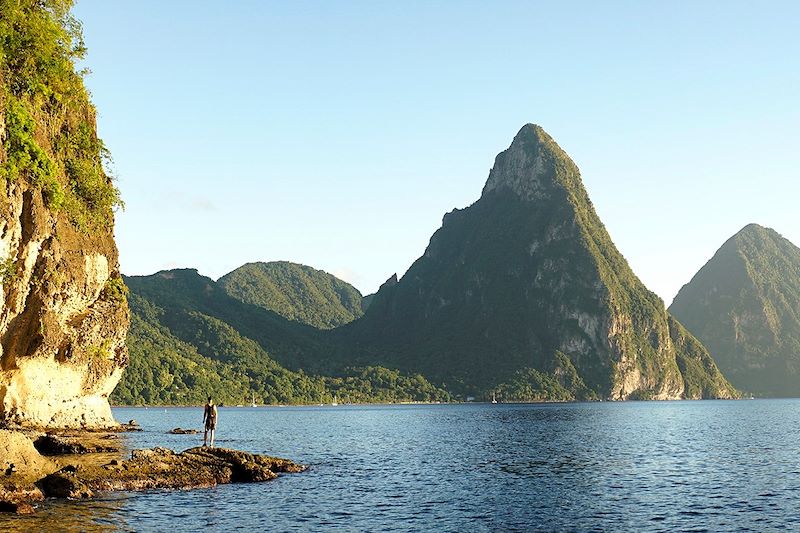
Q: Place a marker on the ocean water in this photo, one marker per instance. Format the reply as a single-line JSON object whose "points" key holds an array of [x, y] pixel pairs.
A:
{"points": [[636, 466]]}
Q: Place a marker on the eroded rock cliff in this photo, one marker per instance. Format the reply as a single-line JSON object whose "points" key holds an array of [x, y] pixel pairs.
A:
{"points": [[63, 310]]}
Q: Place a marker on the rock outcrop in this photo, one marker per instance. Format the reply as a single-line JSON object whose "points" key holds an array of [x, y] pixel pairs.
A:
{"points": [[161, 468], [525, 292], [80, 465], [62, 322], [63, 313]]}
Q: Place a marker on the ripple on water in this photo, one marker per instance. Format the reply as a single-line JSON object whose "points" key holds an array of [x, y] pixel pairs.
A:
{"points": [[644, 466]]}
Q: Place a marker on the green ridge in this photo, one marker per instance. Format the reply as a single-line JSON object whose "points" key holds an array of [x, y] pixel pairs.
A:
{"points": [[744, 305], [188, 338], [296, 292]]}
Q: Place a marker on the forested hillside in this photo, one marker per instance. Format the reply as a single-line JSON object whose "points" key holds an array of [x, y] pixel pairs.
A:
{"points": [[744, 305], [296, 292], [188, 339]]}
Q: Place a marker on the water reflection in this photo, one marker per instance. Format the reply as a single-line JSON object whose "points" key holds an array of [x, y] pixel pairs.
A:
{"points": [[643, 466], [96, 516]]}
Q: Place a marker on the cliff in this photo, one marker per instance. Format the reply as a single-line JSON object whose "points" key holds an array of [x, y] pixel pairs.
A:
{"points": [[63, 310], [744, 305], [524, 292]]}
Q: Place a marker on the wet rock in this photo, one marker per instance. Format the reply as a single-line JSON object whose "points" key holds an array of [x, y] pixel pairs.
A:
{"points": [[52, 444], [14, 494], [19, 459], [16, 507], [196, 467], [84, 468], [181, 431], [65, 484]]}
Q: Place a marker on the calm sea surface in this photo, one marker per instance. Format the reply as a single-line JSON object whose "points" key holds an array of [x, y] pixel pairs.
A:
{"points": [[638, 466]]}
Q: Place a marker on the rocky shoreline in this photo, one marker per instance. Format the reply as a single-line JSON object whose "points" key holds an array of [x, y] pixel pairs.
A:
{"points": [[77, 465]]}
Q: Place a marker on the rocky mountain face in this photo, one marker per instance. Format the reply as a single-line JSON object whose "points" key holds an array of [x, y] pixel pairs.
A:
{"points": [[744, 305], [296, 292], [63, 310], [525, 292]]}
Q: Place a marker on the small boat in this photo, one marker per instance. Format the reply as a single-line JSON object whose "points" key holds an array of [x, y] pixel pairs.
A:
{"points": [[494, 399], [253, 402], [334, 402]]}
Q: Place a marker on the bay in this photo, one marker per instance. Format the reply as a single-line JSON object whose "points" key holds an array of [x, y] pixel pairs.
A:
{"points": [[633, 466]]}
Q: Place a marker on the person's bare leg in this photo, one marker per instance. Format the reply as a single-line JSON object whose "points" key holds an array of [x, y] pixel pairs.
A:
{"points": [[205, 437], [212, 436]]}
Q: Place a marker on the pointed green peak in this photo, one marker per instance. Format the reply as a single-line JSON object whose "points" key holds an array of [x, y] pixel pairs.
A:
{"points": [[754, 230], [531, 165], [753, 235]]}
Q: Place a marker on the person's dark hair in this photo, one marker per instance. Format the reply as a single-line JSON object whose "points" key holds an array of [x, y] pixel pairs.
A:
{"points": [[209, 399]]}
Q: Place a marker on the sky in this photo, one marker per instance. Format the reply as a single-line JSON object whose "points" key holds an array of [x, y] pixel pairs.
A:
{"points": [[337, 134]]}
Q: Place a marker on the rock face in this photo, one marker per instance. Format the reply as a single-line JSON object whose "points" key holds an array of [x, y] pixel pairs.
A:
{"points": [[744, 305], [525, 291], [20, 458], [63, 314], [296, 292], [62, 326]]}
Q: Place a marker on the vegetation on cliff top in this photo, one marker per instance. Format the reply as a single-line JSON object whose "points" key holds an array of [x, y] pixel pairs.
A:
{"points": [[296, 292], [49, 136]]}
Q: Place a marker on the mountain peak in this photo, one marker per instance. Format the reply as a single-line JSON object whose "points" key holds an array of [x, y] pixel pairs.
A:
{"points": [[743, 304], [753, 230], [752, 227], [531, 165], [753, 236]]}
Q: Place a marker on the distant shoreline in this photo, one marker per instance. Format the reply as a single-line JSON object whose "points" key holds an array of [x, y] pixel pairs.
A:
{"points": [[192, 406]]}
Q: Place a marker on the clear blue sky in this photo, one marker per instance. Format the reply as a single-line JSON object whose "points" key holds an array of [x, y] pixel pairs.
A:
{"points": [[337, 134]]}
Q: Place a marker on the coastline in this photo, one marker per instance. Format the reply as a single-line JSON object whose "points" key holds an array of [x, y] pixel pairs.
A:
{"points": [[79, 464]]}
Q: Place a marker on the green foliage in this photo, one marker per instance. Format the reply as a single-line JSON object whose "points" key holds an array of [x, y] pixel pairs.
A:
{"points": [[188, 339], [701, 377], [25, 156], [8, 270], [744, 305], [296, 292], [531, 385], [50, 138], [100, 351], [115, 290]]}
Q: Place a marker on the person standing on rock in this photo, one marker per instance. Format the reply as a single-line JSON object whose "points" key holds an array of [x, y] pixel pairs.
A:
{"points": [[210, 421]]}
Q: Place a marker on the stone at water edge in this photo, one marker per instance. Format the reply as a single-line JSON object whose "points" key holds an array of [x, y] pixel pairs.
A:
{"points": [[52, 444], [18, 450], [161, 468], [16, 507]]}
